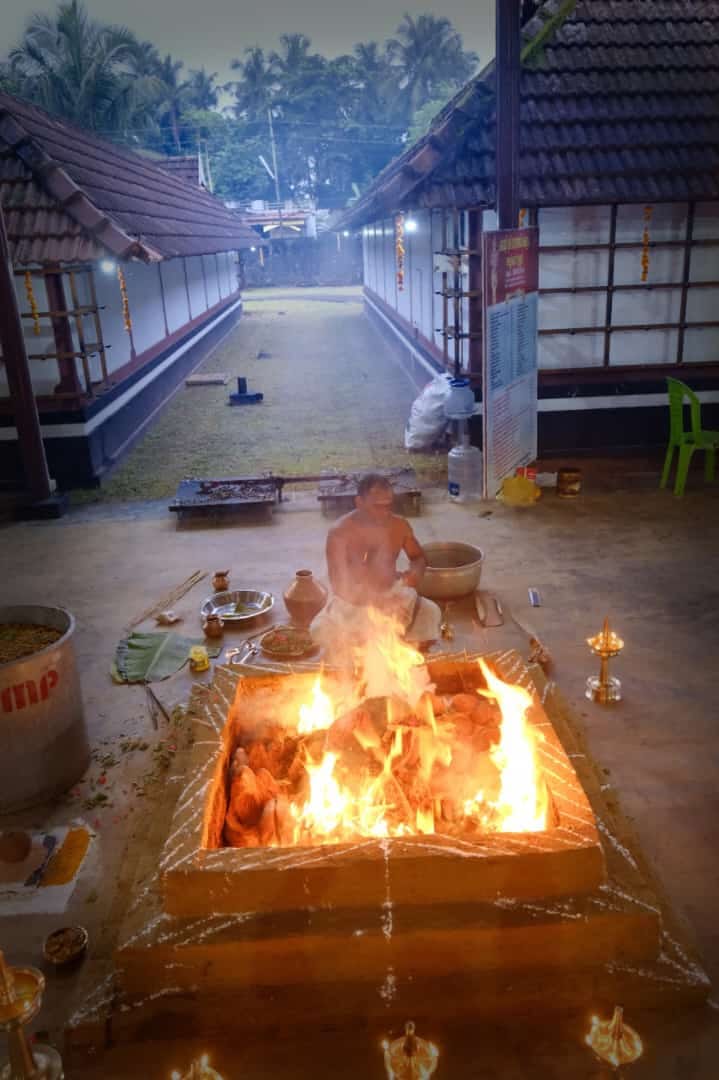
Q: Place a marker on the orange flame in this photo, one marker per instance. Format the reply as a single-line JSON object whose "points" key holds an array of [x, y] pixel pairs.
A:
{"points": [[414, 772], [319, 714], [523, 798], [390, 665]]}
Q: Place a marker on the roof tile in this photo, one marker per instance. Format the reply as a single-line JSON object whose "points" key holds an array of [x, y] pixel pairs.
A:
{"points": [[133, 206]]}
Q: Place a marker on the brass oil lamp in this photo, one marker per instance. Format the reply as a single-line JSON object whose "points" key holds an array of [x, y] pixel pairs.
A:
{"points": [[604, 688], [410, 1058], [198, 1070], [20, 1000], [614, 1041]]}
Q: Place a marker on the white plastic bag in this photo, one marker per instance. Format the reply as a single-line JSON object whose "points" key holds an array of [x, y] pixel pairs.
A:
{"points": [[427, 422]]}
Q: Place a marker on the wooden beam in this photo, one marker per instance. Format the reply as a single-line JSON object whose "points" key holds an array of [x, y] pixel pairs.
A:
{"points": [[507, 133], [27, 421]]}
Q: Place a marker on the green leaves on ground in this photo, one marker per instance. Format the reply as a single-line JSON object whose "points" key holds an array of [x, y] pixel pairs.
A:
{"points": [[152, 656]]}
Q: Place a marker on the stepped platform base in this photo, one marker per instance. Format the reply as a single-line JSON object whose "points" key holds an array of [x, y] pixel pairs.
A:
{"points": [[512, 959]]}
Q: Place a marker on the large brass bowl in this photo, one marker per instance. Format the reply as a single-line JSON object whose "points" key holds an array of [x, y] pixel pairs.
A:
{"points": [[453, 569]]}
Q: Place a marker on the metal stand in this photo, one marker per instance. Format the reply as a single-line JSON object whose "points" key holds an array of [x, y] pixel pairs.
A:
{"points": [[604, 688], [21, 992]]}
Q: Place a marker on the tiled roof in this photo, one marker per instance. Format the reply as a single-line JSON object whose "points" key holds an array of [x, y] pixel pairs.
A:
{"points": [[106, 200], [619, 103], [187, 167]]}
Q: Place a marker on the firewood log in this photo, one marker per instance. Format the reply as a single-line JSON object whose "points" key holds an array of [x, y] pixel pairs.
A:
{"points": [[438, 702], [283, 821], [239, 761], [486, 712], [463, 723], [245, 801], [266, 827], [483, 739], [258, 757], [274, 748], [240, 836], [297, 769], [465, 703], [267, 786]]}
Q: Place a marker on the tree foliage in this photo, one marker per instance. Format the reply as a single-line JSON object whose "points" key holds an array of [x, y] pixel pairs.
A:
{"points": [[337, 121]]}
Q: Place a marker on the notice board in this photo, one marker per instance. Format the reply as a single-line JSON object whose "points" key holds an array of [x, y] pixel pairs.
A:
{"points": [[510, 279]]}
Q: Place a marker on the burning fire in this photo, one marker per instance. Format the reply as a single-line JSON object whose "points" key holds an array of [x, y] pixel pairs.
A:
{"points": [[388, 757], [319, 714], [523, 798]]}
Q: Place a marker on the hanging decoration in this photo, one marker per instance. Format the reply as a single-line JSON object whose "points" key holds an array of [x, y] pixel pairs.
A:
{"points": [[648, 211], [125, 302], [399, 249], [522, 217], [32, 302]]}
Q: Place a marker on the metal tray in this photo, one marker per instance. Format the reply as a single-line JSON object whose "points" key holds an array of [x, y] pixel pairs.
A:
{"points": [[223, 604]]}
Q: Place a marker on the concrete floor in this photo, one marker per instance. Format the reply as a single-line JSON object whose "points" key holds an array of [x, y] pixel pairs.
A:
{"points": [[623, 548]]}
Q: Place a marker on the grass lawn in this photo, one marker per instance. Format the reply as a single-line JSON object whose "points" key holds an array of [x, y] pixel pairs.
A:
{"points": [[334, 398]]}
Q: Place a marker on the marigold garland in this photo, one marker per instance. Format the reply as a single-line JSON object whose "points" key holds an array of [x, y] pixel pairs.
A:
{"points": [[32, 302], [399, 249], [648, 211], [125, 302]]}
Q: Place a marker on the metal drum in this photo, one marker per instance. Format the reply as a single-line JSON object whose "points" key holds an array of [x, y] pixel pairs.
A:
{"points": [[43, 737]]}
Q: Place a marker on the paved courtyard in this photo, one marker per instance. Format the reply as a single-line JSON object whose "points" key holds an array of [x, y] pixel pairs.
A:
{"points": [[334, 398]]}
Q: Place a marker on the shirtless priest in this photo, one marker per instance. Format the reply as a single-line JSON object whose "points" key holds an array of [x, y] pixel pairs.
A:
{"points": [[362, 552]]}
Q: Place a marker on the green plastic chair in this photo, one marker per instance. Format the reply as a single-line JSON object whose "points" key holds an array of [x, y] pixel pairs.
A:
{"points": [[686, 442]]}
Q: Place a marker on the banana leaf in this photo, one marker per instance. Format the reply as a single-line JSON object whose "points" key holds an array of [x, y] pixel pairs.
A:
{"points": [[152, 656]]}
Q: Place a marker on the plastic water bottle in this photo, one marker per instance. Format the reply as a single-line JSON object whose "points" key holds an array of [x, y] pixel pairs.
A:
{"points": [[459, 404], [464, 470]]}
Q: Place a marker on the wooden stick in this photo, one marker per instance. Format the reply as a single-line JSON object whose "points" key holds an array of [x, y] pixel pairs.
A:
{"points": [[171, 597]]}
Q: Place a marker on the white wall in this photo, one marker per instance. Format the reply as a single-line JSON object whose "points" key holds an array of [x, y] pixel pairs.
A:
{"points": [[145, 295], [175, 293], [656, 301], [420, 271], [45, 373], [644, 304], [196, 285], [418, 303], [212, 279]]}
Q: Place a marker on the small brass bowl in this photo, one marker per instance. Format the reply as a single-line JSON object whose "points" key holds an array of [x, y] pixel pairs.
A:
{"points": [[65, 946]]}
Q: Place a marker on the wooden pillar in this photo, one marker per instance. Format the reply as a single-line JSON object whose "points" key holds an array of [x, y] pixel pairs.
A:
{"points": [[22, 398], [62, 332], [507, 94], [474, 243]]}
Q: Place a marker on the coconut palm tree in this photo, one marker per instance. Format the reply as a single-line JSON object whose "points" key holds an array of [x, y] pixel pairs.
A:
{"points": [[78, 68], [427, 52], [377, 82], [256, 88], [202, 91], [173, 94]]}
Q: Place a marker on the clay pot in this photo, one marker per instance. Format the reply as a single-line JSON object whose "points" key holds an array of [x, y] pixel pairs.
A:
{"points": [[221, 580], [213, 626], [304, 598]]}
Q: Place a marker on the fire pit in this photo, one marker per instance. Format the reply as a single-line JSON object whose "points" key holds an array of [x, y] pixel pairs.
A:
{"points": [[342, 901], [446, 778]]}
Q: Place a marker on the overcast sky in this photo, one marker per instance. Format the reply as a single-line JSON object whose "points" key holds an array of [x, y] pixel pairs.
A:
{"points": [[212, 32]]}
